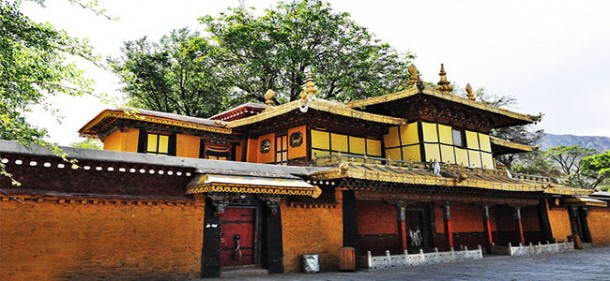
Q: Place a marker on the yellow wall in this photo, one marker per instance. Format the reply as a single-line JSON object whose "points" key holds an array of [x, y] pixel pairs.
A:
{"points": [[268, 157], [122, 141], [599, 225], [312, 230], [402, 143], [187, 146], [560, 223], [324, 143]]}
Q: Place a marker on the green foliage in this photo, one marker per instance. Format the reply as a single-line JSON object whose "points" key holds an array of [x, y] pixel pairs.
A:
{"points": [[274, 51], [598, 167], [535, 163], [179, 74], [94, 144], [33, 65], [569, 160]]}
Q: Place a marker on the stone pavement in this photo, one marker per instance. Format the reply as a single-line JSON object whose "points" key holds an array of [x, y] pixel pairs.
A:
{"points": [[588, 264]]}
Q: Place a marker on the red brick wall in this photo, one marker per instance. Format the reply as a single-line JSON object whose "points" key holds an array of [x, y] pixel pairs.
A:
{"points": [[67, 238], [375, 217], [312, 231], [599, 225]]}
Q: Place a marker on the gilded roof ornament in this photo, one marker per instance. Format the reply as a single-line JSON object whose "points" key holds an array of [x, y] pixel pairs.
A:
{"points": [[310, 86], [444, 83], [469, 94], [413, 75], [269, 95]]}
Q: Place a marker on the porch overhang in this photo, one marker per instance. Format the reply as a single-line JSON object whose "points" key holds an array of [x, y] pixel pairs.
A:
{"points": [[206, 183], [584, 201]]}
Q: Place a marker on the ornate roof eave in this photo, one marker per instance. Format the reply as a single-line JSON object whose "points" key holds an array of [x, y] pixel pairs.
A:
{"points": [[511, 147], [525, 118], [320, 105], [87, 129], [514, 186]]}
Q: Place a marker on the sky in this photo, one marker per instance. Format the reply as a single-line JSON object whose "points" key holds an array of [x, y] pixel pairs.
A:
{"points": [[552, 56]]}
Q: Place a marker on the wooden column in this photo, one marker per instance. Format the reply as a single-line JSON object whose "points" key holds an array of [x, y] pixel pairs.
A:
{"points": [[586, 235], [487, 226], [403, 225], [210, 260], [545, 223], [448, 226], [350, 226], [519, 225], [275, 246]]}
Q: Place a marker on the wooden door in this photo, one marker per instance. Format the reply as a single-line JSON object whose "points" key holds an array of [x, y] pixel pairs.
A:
{"points": [[237, 242]]}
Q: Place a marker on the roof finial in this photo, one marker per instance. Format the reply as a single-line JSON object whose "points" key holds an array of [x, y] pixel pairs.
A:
{"points": [[469, 94], [444, 83], [413, 75], [269, 95], [310, 86]]}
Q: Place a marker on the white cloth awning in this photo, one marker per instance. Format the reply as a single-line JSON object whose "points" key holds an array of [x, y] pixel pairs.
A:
{"points": [[205, 183]]}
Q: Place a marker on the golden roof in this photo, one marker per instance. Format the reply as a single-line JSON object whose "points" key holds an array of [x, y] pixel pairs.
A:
{"points": [[451, 175], [512, 146], [155, 117], [444, 96], [320, 105]]}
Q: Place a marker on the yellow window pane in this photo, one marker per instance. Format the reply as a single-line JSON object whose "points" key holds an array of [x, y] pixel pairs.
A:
{"points": [[393, 153], [284, 142], [278, 144], [475, 158], [430, 134], [484, 142], [317, 153], [373, 147], [472, 140], [488, 161], [152, 143], [432, 152], [448, 156], [391, 139], [445, 134], [163, 144], [461, 156], [356, 145], [212, 157], [319, 139], [411, 153], [222, 158], [338, 142], [409, 134]]}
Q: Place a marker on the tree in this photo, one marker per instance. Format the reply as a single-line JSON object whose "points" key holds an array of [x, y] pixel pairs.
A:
{"points": [[275, 50], [536, 163], [598, 167], [522, 134], [34, 65], [569, 159], [89, 143], [179, 74]]}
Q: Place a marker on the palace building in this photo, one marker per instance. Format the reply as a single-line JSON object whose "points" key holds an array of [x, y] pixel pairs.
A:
{"points": [[261, 185]]}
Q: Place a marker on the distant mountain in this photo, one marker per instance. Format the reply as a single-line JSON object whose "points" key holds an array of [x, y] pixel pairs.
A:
{"points": [[600, 143]]}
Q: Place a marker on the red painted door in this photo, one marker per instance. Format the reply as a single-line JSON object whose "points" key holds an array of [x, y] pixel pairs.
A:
{"points": [[237, 228]]}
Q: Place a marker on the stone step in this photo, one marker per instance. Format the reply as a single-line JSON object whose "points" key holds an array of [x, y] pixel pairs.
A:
{"points": [[243, 272]]}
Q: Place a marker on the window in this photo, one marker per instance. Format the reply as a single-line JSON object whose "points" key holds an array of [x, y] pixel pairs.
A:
{"points": [[281, 150], [157, 144], [215, 151], [458, 138]]}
